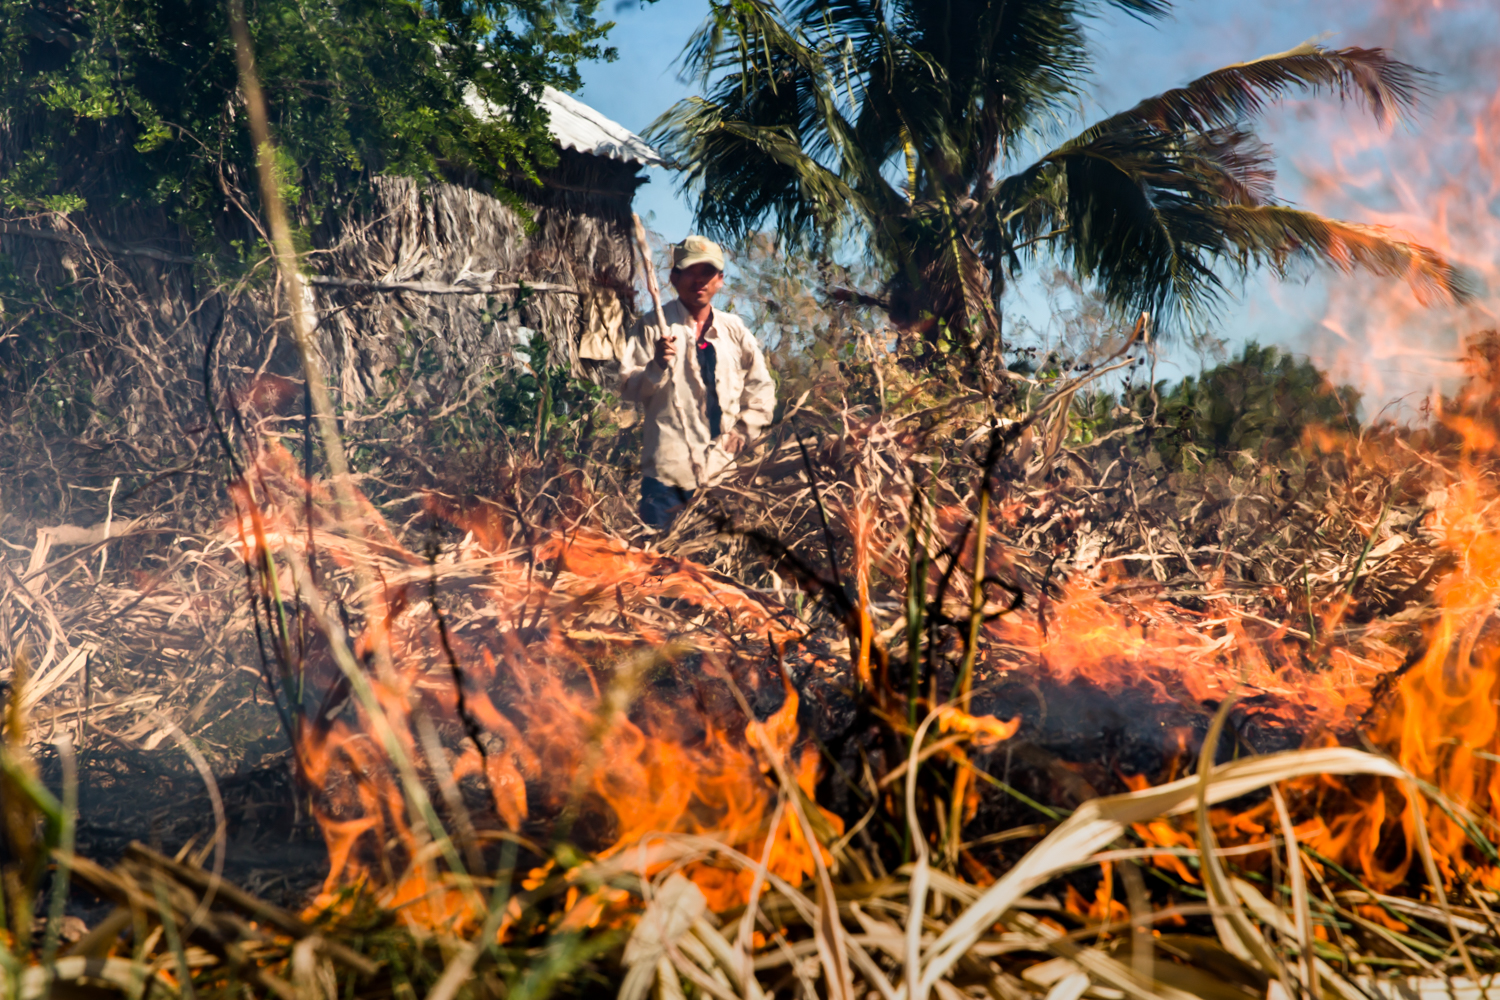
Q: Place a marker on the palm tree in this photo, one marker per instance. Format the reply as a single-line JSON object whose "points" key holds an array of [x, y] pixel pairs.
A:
{"points": [[891, 121]]}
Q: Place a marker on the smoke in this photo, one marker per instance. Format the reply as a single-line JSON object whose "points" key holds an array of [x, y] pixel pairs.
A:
{"points": [[1434, 178]]}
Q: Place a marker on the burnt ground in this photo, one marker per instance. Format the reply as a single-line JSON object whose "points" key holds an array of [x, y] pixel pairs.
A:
{"points": [[158, 798]]}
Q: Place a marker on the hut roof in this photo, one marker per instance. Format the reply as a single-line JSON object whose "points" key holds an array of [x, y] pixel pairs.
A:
{"points": [[579, 127]]}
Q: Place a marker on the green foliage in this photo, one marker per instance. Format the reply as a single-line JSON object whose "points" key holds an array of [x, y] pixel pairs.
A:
{"points": [[1259, 405], [1260, 402], [47, 374], [135, 103], [544, 402], [538, 406]]}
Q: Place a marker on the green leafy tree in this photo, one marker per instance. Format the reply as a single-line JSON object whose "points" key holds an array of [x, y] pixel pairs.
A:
{"points": [[1259, 404], [127, 118], [133, 106], [890, 123]]}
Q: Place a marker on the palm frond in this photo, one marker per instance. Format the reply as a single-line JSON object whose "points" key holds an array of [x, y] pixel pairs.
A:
{"points": [[1142, 9], [771, 141], [1275, 235], [1004, 64], [1235, 93], [813, 108], [742, 38], [853, 85], [748, 173], [1154, 220]]}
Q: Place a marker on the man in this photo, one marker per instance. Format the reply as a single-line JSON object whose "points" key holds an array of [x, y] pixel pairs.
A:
{"points": [[703, 383]]}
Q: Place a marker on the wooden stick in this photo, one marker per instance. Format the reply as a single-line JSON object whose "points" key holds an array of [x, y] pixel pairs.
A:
{"points": [[661, 321], [438, 287]]}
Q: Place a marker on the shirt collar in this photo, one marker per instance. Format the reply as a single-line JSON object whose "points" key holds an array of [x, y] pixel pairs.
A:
{"points": [[687, 319]]}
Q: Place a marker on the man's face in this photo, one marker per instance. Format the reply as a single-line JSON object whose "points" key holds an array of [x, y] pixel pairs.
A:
{"points": [[697, 285]]}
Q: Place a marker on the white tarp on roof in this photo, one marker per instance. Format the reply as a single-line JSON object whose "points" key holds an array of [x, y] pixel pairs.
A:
{"points": [[579, 127]]}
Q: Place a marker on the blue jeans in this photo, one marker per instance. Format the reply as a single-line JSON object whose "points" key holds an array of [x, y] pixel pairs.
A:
{"points": [[660, 503]]}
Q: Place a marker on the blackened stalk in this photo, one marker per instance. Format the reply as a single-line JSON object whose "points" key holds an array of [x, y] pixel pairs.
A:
{"points": [[853, 621], [238, 474], [965, 683], [964, 688], [916, 605]]}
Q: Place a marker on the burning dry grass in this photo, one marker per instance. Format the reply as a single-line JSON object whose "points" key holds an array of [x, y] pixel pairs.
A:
{"points": [[527, 739], [545, 687]]}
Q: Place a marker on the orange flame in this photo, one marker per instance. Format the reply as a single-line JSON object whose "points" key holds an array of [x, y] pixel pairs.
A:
{"points": [[557, 708]]}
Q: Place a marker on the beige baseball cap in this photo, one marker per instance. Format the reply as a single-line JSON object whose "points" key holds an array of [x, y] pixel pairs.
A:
{"points": [[697, 250]]}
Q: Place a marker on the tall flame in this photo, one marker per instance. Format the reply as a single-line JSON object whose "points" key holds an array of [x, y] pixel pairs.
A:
{"points": [[1429, 697], [1440, 719], [516, 689], [546, 689]]}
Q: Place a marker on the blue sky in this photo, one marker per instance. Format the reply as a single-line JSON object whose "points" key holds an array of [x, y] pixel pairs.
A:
{"points": [[1328, 318]]}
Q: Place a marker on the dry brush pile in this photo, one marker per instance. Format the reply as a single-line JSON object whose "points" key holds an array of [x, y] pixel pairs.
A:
{"points": [[900, 674]]}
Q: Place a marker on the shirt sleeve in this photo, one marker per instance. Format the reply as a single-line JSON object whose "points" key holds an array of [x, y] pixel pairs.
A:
{"points": [[758, 401], [640, 376]]}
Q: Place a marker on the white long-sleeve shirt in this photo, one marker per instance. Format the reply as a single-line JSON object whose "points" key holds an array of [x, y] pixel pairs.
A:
{"points": [[747, 394]]}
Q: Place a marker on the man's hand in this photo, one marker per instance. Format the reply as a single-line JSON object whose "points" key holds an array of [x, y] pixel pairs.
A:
{"points": [[731, 442], [666, 350]]}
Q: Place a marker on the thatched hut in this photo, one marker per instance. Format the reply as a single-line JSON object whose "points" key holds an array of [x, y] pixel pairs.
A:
{"points": [[473, 278], [112, 337]]}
